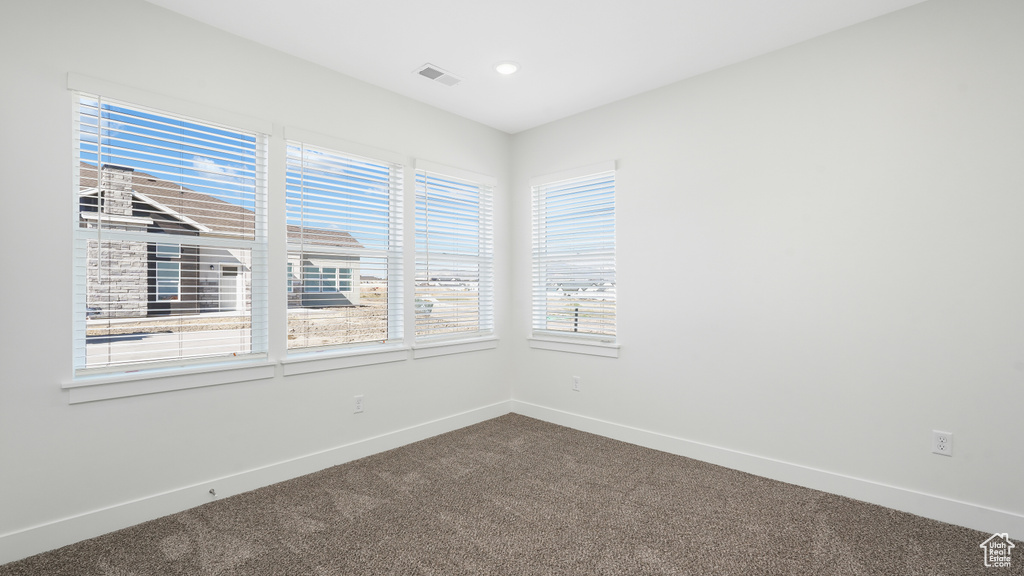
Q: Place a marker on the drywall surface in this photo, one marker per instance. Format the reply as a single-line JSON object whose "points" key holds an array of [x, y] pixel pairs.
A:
{"points": [[59, 460], [818, 255]]}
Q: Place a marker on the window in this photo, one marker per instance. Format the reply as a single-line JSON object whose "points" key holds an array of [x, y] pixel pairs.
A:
{"points": [[168, 250], [344, 244], [168, 281], [454, 256], [325, 279], [165, 203], [574, 254]]}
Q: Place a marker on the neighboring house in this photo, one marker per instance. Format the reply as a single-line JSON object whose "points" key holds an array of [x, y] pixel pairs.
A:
{"points": [[143, 279], [320, 279]]}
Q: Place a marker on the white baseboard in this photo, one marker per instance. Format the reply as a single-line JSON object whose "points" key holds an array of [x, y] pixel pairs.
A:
{"points": [[36, 539], [981, 518]]}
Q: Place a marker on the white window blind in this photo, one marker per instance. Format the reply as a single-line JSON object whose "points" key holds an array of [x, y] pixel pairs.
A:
{"points": [[163, 206], [454, 257], [574, 256], [344, 249]]}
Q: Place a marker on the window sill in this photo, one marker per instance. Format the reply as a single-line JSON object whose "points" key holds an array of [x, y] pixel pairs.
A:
{"points": [[152, 381], [444, 347], [581, 346], [319, 361], [97, 387]]}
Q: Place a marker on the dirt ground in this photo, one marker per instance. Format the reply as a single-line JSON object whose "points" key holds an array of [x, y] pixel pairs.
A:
{"points": [[311, 327], [307, 327]]}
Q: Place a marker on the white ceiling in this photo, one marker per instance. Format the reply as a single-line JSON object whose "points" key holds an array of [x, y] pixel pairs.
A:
{"points": [[574, 54]]}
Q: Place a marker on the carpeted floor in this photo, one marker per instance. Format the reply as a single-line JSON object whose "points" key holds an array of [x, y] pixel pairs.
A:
{"points": [[516, 495]]}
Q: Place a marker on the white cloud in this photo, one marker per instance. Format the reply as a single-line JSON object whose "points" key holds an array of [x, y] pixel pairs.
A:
{"points": [[211, 167]]}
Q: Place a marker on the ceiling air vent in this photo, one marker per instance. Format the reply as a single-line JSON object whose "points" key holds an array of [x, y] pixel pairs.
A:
{"points": [[438, 75]]}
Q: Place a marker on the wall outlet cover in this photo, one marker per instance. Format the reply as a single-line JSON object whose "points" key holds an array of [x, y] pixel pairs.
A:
{"points": [[942, 442]]}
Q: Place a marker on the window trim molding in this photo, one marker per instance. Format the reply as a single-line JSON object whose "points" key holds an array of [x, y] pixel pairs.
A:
{"points": [[137, 96], [325, 359], [579, 345], [108, 386], [458, 173], [551, 178], [430, 349], [342, 146]]}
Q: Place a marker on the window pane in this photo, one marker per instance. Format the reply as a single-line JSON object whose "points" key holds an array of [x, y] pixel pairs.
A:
{"points": [[343, 216], [168, 250], [356, 310], [311, 282], [454, 257], [574, 256], [149, 180], [175, 175], [329, 279], [165, 311]]}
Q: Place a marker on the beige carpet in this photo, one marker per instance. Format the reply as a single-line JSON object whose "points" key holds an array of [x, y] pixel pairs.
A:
{"points": [[515, 495]]}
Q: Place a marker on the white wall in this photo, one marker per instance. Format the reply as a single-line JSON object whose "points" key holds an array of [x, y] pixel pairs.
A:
{"points": [[140, 455], [819, 261]]}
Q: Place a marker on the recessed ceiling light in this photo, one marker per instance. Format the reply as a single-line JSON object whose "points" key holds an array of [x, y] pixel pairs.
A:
{"points": [[506, 68]]}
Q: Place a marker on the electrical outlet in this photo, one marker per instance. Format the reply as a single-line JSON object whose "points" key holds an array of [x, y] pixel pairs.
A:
{"points": [[358, 404], [575, 383], [942, 443]]}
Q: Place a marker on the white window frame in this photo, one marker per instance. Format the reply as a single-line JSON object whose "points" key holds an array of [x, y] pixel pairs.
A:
{"points": [[164, 282], [599, 251], [87, 385], [107, 229], [308, 359], [461, 184]]}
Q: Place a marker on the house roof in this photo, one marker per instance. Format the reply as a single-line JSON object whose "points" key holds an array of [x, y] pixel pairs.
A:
{"points": [[211, 215], [322, 236]]}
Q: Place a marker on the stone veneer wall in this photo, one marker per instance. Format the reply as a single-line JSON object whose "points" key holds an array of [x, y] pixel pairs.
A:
{"points": [[116, 270], [116, 279]]}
